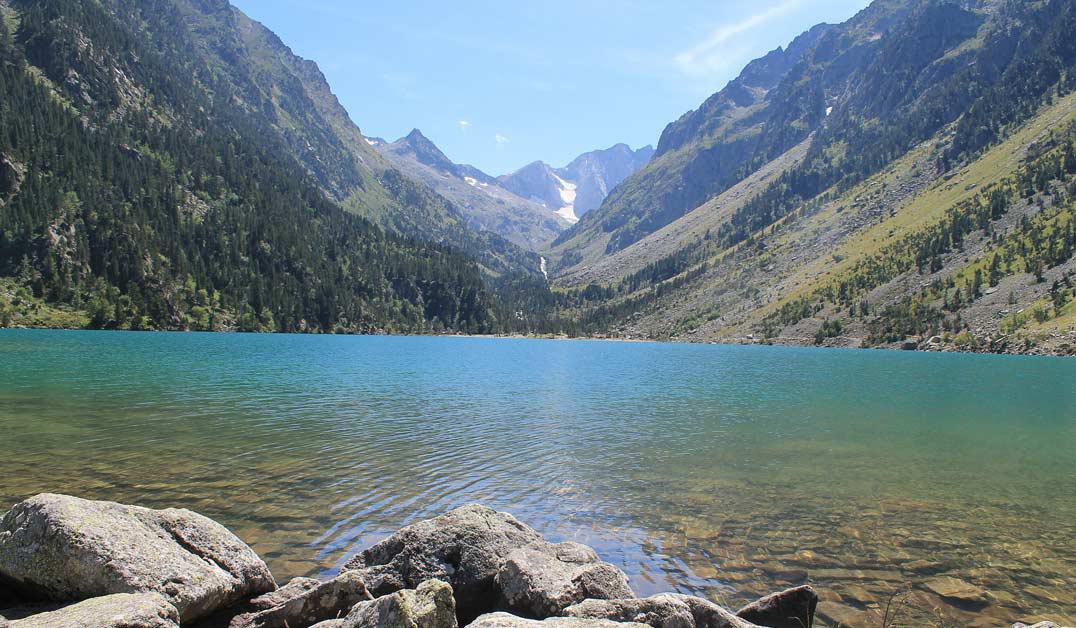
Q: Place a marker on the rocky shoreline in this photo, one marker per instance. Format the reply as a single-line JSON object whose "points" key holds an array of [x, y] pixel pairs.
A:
{"points": [[67, 562]]}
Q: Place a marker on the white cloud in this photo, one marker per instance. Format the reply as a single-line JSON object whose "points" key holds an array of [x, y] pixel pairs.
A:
{"points": [[464, 124], [501, 139], [706, 57]]}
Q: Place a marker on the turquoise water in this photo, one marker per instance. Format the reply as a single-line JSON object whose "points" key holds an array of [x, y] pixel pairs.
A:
{"points": [[725, 471]]}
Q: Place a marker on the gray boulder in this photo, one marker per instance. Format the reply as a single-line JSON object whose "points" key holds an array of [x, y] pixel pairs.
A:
{"points": [[122, 610], [465, 548], [791, 608], [668, 610], [293, 589], [542, 580], [429, 606], [54, 547], [331, 623], [307, 605], [504, 620]]}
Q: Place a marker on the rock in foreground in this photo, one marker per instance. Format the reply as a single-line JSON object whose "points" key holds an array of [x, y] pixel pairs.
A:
{"points": [[464, 548], [122, 610], [307, 604], [491, 560], [668, 610], [504, 620], [792, 608], [429, 606], [55, 547], [543, 581]]}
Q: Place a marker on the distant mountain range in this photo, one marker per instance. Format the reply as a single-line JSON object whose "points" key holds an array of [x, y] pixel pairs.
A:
{"points": [[582, 185], [531, 206]]}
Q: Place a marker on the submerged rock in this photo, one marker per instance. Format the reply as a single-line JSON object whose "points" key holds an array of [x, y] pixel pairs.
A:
{"points": [[307, 604], [792, 608], [55, 547], [668, 610], [958, 590], [541, 581], [465, 548], [431, 605], [504, 620], [121, 610]]}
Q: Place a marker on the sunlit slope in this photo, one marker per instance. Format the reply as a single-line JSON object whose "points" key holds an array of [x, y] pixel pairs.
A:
{"points": [[785, 282]]}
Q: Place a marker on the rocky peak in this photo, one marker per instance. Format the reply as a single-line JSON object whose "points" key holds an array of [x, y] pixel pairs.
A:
{"points": [[426, 152]]}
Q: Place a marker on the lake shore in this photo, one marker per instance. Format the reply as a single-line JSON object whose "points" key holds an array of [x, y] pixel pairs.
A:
{"points": [[1060, 345], [69, 562]]}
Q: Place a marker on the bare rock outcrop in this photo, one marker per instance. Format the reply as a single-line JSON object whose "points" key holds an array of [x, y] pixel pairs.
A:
{"points": [[299, 604], [542, 581], [431, 605], [668, 610], [121, 610], [55, 547], [505, 620], [791, 608]]}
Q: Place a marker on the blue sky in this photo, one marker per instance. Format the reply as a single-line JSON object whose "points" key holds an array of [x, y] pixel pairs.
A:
{"points": [[501, 84]]}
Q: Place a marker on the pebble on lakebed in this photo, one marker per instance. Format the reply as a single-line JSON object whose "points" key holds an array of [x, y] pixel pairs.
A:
{"points": [[70, 562]]}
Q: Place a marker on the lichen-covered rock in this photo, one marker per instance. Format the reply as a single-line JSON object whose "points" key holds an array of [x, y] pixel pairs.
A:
{"points": [[465, 548], [293, 589], [505, 620], [122, 610], [429, 606], [542, 580], [668, 610], [55, 547], [307, 606], [331, 623], [791, 608]]}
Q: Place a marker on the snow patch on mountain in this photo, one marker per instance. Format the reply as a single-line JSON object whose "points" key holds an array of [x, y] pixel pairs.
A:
{"points": [[567, 195]]}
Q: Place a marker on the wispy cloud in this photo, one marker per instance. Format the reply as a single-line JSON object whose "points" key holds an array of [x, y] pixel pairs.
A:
{"points": [[501, 139], [464, 124], [706, 56]]}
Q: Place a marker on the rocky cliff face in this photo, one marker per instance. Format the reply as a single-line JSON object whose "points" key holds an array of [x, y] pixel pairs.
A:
{"points": [[580, 186], [597, 173], [480, 198]]}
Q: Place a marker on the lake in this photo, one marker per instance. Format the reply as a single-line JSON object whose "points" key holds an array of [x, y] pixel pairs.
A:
{"points": [[724, 471]]}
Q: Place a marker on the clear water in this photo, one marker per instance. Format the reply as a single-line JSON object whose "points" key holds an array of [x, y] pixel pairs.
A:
{"points": [[723, 471]]}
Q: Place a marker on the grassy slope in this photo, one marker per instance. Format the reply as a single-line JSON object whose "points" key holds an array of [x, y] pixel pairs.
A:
{"points": [[744, 284], [686, 231], [925, 209]]}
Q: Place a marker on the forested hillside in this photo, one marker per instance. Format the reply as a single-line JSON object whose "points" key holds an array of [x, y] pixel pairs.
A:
{"points": [[860, 221], [134, 187]]}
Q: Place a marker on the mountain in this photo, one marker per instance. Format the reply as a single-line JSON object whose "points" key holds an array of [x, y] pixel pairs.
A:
{"points": [[170, 164], [580, 186], [478, 197], [699, 155], [596, 173], [906, 177]]}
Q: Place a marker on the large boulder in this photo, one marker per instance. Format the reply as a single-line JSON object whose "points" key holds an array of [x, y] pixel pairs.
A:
{"points": [[465, 548], [122, 610], [307, 605], [429, 606], [504, 620], [542, 580], [668, 610], [55, 547], [791, 608]]}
